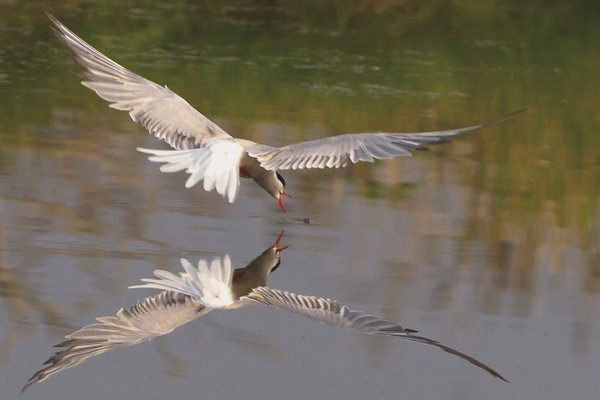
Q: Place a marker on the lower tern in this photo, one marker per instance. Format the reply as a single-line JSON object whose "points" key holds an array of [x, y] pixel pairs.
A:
{"points": [[207, 152], [213, 286]]}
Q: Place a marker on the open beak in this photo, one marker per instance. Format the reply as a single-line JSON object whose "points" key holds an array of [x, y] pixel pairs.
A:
{"points": [[279, 249], [281, 202]]}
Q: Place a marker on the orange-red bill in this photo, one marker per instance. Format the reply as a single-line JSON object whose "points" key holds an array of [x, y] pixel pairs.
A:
{"points": [[283, 193], [278, 239], [281, 204], [279, 250]]}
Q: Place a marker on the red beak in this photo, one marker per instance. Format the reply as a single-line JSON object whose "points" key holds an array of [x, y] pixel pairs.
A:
{"points": [[279, 250], [280, 202]]}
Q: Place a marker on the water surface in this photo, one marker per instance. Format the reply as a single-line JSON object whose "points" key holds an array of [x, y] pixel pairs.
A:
{"points": [[490, 244]]}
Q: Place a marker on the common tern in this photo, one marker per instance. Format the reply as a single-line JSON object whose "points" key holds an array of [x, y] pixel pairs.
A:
{"points": [[207, 152], [199, 290]]}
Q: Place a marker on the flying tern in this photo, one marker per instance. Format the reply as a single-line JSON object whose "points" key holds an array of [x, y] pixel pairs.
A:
{"points": [[207, 152]]}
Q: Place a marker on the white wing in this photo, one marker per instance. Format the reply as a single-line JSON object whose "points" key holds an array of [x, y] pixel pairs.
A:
{"points": [[209, 285], [162, 112], [329, 312], [216, 162], [154, 316], [336, 151]]}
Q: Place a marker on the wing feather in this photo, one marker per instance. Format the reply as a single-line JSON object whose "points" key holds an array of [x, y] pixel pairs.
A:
{"points": [[209, 285], [162, 112], [151, 317], [216, 162], [330, 312], [335, 151]]}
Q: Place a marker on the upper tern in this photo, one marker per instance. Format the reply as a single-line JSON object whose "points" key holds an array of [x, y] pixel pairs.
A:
{"points": [[207, 152], [217, 285]]}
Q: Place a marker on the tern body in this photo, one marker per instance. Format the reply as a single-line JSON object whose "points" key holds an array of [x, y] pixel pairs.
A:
{"points": [[208, 153]]}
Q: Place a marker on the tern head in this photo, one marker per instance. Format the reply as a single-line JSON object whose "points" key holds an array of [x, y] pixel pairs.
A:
{"points": [[273, 183], [257, 272], [280, 190]]}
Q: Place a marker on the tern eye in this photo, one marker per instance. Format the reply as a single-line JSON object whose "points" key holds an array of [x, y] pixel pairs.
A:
{"points": [[280, 178]]}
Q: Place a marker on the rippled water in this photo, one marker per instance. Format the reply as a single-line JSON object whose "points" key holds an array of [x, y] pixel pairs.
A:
{"points": [[489, 244]]}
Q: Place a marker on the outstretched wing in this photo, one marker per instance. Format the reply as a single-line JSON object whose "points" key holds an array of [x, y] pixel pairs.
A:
{"points": [[336, 151], [209, 285], [162, 112], [216, 162], [329, 312], [154, 316]]}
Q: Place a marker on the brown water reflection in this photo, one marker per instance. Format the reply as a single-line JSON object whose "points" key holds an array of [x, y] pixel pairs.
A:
{"points": [[490, 243]]}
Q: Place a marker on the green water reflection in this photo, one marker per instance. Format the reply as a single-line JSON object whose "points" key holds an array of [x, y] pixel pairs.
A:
{"points": [[325, 68]]}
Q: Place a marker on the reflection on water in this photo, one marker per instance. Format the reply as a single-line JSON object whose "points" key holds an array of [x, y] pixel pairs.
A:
{"points": [[216, 286], [490, 243]]}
